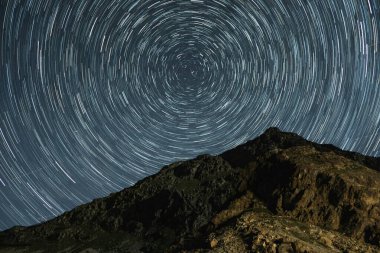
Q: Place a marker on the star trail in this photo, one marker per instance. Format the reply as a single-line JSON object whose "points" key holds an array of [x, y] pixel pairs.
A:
{"points": [[95, 95]]}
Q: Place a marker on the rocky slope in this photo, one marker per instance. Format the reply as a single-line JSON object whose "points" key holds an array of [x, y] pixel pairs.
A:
{"points": [[277, 193]]}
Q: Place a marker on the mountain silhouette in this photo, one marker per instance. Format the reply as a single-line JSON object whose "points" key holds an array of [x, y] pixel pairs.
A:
{"points": [[277, 193]]}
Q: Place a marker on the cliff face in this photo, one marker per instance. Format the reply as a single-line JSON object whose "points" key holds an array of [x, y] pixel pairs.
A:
{"points": [[277, 193]]}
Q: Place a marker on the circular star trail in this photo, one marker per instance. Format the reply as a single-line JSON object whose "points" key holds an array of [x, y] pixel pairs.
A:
{"points": [[95, 95]]}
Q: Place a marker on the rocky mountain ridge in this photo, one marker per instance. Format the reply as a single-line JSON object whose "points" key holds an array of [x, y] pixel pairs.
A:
{"points": [[276, 193]]}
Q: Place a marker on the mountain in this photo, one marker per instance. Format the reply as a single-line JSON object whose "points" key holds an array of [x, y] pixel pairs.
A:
{"points": [[277, 193]]}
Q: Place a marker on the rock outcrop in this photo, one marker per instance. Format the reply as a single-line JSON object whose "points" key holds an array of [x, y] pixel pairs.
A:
{"points": [[277, 193]]}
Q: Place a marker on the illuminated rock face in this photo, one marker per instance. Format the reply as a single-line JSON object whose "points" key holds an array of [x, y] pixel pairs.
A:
{"points": [[277, 193]]}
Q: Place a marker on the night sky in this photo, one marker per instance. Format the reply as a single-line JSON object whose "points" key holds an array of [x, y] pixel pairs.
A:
{"points": [[95, 95]]}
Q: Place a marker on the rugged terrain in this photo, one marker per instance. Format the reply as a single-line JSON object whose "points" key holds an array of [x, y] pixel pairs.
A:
{"points": [[277, 193]]}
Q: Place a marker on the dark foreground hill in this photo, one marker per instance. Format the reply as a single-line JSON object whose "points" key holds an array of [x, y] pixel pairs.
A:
{"points": [[278, 193]]}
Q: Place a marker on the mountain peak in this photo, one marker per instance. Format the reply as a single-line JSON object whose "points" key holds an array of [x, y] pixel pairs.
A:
{"points": [[276, 193], [273, 130]]}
